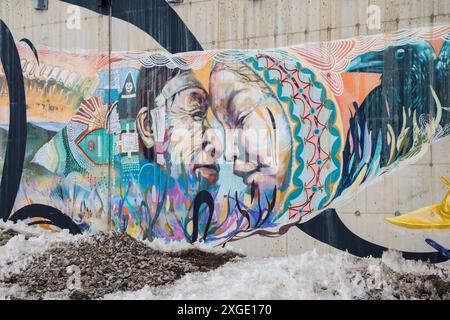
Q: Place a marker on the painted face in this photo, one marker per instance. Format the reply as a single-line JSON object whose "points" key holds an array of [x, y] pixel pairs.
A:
{"points": [[91, 145], [129, 87], [187, 143], [256, 131]]}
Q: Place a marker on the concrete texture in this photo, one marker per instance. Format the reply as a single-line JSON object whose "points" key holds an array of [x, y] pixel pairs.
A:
{"points": [[243, 24], [406, 189]]}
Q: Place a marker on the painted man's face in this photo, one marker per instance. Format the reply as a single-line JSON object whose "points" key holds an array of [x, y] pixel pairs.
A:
{"points": [[256, 131], [187, 143], [184, 140]]}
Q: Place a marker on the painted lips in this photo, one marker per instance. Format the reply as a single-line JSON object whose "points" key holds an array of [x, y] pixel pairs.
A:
{"points": [[209, 171]]}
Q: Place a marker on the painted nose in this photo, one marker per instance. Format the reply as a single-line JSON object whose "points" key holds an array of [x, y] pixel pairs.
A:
{"points": [[231, 148], [209, 148], [211, 145]]}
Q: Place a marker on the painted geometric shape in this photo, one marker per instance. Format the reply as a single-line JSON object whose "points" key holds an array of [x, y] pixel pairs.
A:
{"points": [[95, 146]]}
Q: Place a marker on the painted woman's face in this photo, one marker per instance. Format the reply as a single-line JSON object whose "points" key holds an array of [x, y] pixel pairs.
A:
{"points": [[256, 130]]}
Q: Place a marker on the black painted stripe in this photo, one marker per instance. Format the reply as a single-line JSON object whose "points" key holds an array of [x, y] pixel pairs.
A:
{"points": [[328, 228], [55, 217], [156, 17], [203, 197], [17, 134], [32, 47]]}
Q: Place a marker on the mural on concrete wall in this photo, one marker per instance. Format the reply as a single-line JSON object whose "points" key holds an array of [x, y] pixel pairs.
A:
{"points": [[218, 145]]}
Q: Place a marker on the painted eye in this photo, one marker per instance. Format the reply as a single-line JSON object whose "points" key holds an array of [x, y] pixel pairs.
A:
{"points": [[194, 95], [240, 121]]}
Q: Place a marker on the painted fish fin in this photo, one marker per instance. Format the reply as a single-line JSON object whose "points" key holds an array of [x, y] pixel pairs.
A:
{"points": [[429, 218], [435, 217]]}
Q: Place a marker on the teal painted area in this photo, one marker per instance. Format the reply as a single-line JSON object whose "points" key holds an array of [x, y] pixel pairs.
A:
{"points": [[96, 146]]}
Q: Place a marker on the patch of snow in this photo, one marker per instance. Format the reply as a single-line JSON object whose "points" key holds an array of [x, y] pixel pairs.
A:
{"points": [[175, 246], [19, 251], [99, 224], [393, 259], [21, 227], [22, 249], [307, 276]]}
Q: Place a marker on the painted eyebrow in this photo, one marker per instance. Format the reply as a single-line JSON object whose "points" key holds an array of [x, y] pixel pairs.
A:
{"points": [[233, 95]]}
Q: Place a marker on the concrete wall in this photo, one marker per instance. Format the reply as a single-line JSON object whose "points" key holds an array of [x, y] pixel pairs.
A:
{"points": [[241, 24], [227, 24]]}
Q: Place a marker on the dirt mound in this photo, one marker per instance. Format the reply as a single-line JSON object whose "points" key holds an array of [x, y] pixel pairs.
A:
{"points": [[107, 264]]}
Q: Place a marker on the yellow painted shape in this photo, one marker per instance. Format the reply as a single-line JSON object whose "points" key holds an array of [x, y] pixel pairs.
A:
{"points": [[358, 179], [203, 74]]}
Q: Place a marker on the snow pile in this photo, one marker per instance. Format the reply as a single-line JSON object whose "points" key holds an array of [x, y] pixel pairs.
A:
{"points": [[307, 276], [177, 246], [22, 249], [29, 243], [111, 263], [394, 261]]}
